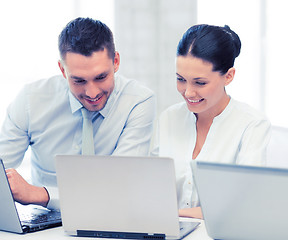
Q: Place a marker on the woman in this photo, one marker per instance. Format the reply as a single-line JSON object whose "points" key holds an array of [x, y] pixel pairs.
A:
{"points": [[209, 125]]}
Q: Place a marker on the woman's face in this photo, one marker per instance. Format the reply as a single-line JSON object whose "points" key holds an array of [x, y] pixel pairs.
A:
{"points": [[202, 88]]}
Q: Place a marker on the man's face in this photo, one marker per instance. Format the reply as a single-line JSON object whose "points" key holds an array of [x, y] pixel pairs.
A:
{"points": [[90, 79]]}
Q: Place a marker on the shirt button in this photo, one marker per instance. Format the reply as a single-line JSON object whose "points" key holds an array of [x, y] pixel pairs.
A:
{"points": [[76, 147]]}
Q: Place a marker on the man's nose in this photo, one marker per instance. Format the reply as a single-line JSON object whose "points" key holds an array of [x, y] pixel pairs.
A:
{"points": [[92, 90]]}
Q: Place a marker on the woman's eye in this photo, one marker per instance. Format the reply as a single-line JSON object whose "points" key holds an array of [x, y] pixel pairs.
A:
{"points": [[180, 79], [201, 83]]}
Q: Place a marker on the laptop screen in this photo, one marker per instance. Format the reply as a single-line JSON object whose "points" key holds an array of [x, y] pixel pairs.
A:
{"points": [[118, 194]]}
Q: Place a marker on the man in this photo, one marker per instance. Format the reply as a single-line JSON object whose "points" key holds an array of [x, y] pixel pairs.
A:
{"points": [[47, 114]]}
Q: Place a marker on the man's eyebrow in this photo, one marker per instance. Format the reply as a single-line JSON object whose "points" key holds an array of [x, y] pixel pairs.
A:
{"points": [[77, 78], [97, 77]]}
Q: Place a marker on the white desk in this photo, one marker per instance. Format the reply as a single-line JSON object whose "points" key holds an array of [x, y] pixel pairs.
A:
{"points": [[59, 234]]}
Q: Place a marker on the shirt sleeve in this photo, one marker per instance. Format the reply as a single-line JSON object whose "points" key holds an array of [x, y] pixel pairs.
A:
{"points": [[14, 139], [253, 147], [53, 198], [136, 135], [154, 145]]}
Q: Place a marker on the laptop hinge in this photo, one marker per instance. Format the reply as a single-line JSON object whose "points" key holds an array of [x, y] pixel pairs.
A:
{"points": [[122, 235]]}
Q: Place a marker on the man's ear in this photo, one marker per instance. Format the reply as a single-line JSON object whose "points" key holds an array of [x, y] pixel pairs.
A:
{"points": [[60, 64], [116, 61], [229, 76]]}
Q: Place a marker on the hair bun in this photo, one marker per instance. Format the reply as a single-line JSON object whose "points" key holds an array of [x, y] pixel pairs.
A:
{"points": [[235, 38]]}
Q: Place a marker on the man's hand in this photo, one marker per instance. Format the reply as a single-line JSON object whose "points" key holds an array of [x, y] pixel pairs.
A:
{"points": [[25, 193]]}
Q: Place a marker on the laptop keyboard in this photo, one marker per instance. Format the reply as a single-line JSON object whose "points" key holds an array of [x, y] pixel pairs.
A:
{"points": [[40, 218]]}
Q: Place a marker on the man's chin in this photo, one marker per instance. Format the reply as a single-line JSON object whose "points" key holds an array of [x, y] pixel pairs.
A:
{"points": [[94, 108]]}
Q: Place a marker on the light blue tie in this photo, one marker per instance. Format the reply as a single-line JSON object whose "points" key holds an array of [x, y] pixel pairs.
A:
{"points": [[87, 133]]}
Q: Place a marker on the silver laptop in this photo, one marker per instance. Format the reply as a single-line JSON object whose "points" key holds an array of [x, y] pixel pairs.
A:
{"points": [[17, 218], [119, 197], [243, 202]]}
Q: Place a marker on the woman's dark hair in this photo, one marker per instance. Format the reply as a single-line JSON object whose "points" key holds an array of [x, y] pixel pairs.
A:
{"points": [[217, 45], [85, 36]]}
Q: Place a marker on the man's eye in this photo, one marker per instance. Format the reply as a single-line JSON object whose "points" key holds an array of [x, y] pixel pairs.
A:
{"points": [[101, 77], [79, 81]]}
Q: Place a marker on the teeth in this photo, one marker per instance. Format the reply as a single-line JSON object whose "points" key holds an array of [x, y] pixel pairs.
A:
{"points": [[194, 101], [94, 100]]}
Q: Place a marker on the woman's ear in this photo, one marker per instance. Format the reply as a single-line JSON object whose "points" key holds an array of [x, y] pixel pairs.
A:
{"points": [[229, 76]]}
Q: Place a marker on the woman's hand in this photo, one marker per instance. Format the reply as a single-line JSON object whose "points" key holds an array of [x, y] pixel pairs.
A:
{"points": [[195, 212]]}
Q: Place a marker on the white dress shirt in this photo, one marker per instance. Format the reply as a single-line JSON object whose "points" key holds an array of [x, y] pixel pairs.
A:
{"points": [[47, 117], [238, 135]]}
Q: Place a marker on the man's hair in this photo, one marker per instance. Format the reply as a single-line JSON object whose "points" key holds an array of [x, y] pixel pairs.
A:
{"points": [[85, 36]]}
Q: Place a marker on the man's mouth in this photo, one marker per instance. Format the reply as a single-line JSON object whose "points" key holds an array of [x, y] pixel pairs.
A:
{"points": [[195, 101], [94, 100]]}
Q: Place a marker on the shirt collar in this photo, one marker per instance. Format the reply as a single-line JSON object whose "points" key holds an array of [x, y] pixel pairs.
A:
{"points": [[104, 112], [223, 114], [226, 111], [76, 105]]}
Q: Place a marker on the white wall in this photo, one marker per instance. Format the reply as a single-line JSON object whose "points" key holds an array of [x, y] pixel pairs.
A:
{"points": [[276, 61], [146, 34]]}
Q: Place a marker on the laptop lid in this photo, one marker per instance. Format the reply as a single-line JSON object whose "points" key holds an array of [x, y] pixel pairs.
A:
{"points": [[10, 215], [242, 202], [119, 197], [9, 220]]}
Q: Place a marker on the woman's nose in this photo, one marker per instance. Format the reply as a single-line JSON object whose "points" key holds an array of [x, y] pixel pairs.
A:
{"points": [[190, 91]]}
